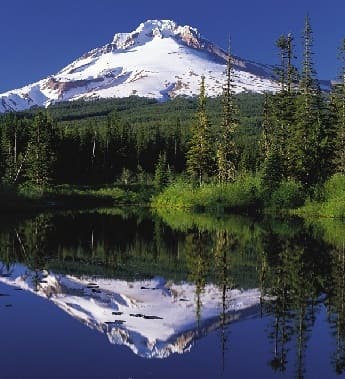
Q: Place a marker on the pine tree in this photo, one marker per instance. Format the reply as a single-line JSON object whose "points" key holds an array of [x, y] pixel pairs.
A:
{"points": [[311, 138], [162, 172], [226, 147], [6, 158], [39, 156], [267, 129], [284, 103], [279, 117], [272, 174], [339, 108], [200, 156], [9, 149]]}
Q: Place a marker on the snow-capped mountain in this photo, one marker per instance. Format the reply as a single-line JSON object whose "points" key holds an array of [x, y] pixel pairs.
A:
{"points": [[154, 318], [159, 59]]}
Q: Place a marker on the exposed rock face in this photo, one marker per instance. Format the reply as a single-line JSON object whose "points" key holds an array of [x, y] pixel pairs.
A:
{"points": [[61, 87]]}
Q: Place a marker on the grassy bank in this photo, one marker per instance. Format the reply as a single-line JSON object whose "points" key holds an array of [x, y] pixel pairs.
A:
{"points": [[240, 196], [246, 195], [30, 198], [330, 201]]}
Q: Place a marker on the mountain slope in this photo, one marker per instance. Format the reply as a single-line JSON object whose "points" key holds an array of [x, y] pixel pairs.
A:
{"points": [[159, 59]]}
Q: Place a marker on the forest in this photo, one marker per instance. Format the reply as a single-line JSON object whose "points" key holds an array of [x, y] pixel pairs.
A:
{"points": [[238, 151]]}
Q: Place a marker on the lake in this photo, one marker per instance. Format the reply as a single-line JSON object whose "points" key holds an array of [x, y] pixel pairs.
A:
{"points": [[123, 293]]}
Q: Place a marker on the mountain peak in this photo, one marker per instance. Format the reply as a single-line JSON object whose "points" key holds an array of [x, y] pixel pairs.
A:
{"points": [[159, 59], [150, 29]]}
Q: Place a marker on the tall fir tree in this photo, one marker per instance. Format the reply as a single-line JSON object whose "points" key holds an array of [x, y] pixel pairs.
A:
{"points": [[279, 117], [267, 129], [162, 172], [226, 148], [39, 156], [339, 109], [311, 137], [9, 149], [200, 156]]}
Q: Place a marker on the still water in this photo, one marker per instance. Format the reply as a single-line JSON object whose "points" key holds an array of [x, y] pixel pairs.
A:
{"points": [[126, 294]]}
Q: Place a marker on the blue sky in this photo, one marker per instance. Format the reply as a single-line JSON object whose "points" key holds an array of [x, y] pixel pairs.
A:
{"points": [[39, 37]]}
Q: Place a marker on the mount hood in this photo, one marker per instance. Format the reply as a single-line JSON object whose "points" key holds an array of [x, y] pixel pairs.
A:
{"points": [[159, 59]]}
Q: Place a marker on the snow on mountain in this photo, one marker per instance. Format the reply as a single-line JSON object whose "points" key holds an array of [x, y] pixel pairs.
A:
{"points": [[159, 59], [154, 318]]}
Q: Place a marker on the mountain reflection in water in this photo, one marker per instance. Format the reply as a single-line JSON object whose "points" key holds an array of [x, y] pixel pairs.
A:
{"points": [[158, 284], [154, 318]]}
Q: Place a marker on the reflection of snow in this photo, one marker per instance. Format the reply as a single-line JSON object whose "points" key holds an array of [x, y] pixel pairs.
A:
{"points": [[154, 318]]}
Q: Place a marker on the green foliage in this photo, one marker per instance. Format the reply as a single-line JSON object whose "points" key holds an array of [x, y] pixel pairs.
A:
{"points": [[31, 191], [338, 103], [272, 171], [226, 153], [334, 204], [331, 202], [312, 136], [200, 155], [288, 195], [162, 173], [95, 140], [242, 195], [279, 118], [39, 156], [179, 194], [75, 196]]}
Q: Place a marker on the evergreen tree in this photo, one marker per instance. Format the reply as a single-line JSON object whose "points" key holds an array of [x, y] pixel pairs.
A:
{"points": [[339, 108], [226, 149], [162, 172], [286, 71], [267, 129], [311, 137], [279, 117], [200, 156], [9, 149], [272, 174], [284, 103], [39, 156]]}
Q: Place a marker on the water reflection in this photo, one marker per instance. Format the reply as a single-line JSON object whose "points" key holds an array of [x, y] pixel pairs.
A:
{"points": [[159, 283], [154, 318]]}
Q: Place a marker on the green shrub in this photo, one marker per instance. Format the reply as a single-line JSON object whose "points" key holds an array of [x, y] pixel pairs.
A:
{"points": [[30, 191], [331, 202], [335, 187], [243, 194], [288, 195]]}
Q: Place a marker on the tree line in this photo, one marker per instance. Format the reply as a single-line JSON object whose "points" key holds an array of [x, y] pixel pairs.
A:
{"points": [[302, 134], [102, 141]]}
